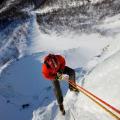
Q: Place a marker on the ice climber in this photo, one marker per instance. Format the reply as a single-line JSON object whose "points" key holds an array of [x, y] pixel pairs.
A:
{"points": [[54, 69]]}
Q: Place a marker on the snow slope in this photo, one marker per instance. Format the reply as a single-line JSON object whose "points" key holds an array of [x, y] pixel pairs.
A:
{"points": [[26, 95], [20, 85], [102, 80]]}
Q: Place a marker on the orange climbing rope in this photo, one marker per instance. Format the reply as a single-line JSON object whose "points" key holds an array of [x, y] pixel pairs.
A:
{"points": [[104, 105]]}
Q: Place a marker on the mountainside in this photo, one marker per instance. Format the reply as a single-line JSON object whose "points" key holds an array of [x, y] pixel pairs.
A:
{"points": [[102, 80], [85, 32]]}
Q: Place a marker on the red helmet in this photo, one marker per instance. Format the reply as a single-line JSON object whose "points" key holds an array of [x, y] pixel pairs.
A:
{"points": [[51, 61], [52, 64]]}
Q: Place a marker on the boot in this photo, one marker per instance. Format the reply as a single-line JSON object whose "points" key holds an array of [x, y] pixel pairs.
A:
{"points": [[73, 89], [62, 109]]}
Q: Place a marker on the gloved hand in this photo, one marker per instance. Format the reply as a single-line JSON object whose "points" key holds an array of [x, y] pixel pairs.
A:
{"points": [[65, 77], [59, 76], [62, 76]]}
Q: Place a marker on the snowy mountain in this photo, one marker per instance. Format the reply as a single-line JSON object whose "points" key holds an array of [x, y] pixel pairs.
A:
{"points": [[86, 33]]}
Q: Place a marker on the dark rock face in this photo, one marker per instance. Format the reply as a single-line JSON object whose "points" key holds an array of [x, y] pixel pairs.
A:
{"points": [[2, 2], [80, 18], [11, 18], [11, 13], [38, 3]]}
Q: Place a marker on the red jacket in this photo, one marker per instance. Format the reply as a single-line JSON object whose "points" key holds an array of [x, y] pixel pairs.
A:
{"points": [[49, 73]]}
